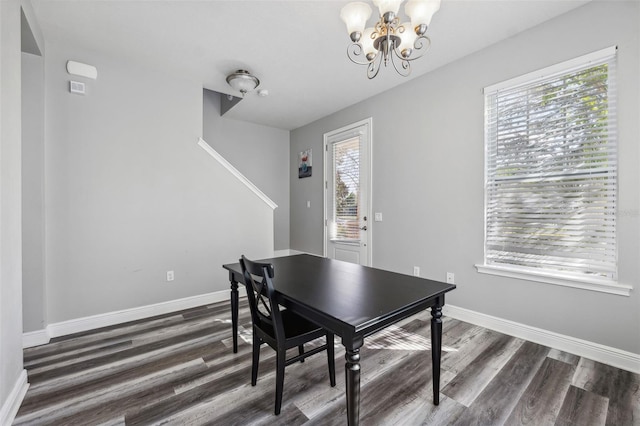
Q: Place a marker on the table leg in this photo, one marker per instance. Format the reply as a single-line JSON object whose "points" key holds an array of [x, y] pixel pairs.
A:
{"points": [[436, 350], [352, 373], [234, 313]]}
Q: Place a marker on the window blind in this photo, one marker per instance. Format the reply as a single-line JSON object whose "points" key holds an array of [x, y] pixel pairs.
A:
{"points": [[551, 172], [346, 197]]}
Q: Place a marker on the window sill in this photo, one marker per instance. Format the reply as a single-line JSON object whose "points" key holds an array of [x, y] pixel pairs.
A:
{"points": [[593, 284]]}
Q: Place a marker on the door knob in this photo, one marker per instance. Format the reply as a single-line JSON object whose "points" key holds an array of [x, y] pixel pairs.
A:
{"points": [[364, 228]]}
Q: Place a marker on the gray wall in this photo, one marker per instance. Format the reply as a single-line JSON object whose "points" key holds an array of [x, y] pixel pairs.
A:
{"points": [[428, 171], [259, 152], [10, 204], [129, 193], [33, 289]]}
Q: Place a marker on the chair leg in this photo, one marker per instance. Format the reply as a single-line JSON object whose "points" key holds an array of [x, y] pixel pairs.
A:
{"points": [[255, 359], [301, 351], [280, 361], [332, 359]]}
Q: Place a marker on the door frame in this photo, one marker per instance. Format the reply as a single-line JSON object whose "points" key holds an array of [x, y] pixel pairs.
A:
{"points": [[369, 163]]}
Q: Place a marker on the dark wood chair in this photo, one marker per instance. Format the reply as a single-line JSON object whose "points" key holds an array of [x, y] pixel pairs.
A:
{"points": [[279, 328]]}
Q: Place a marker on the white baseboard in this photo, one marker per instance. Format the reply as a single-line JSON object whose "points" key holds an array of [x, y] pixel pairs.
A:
{"points": [[132, 314], [12, 403], [77, 325], [594, 351], [597, 352], [286, 252], [35, 338]]}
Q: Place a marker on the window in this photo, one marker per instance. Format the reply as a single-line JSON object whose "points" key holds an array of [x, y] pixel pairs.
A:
{"points": [[346, 178], [551, 173]]}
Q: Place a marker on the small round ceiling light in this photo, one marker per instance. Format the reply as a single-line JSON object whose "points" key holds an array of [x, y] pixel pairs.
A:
{"points": [[242, 81]]}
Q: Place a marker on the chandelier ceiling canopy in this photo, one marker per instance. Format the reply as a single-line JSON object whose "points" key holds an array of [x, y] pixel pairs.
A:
{"points": [[388, 40]]}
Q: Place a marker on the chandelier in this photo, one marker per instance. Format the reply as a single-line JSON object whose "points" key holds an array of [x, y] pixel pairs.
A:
{"points": [[388, 41]]}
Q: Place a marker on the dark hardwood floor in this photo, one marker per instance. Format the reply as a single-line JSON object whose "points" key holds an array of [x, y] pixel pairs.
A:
{"points": [[179, 369]]}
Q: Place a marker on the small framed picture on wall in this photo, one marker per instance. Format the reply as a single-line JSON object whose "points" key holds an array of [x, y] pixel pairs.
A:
{"points": [[304, 164]]}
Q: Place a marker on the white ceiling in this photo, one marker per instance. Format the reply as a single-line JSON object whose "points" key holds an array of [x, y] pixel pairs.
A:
{"points": [[296, 48]]}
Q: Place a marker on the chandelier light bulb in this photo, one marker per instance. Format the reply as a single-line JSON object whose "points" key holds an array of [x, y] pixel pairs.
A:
{"points": [[386, 6], [367, 44], [355, 15], [421, 12], [407, 39]]}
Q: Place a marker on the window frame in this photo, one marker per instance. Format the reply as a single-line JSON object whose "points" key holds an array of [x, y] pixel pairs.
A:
{"points": [[549, 276]]}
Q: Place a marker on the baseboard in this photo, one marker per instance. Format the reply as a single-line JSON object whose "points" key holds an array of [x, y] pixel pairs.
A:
{"points": [[12, 403], [118, 317], [594, 351], [286, 252], [35, 338], [597, 352]]}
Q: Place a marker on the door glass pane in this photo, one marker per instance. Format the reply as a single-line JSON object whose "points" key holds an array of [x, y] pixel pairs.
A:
{"points": [[346, 176]]}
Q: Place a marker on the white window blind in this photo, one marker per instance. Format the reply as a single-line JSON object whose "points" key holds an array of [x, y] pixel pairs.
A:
{"points": [[551, 170], [346, 197]]}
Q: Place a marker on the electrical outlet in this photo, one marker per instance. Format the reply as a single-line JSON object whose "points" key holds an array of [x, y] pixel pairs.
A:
{"points": [[451, 278], [416, 271], [170, 276], [377, 217]]}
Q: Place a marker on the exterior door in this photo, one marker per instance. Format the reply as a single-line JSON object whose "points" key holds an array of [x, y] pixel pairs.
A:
{"points": [[347, 193]]}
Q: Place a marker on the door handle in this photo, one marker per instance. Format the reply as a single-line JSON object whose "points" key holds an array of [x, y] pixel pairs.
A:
{"points": [[364, 228]]}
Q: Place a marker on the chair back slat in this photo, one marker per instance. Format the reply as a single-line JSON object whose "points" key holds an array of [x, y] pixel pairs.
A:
{"points": [[261, 295]]}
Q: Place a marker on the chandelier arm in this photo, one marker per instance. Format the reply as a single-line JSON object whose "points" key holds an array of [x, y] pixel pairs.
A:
{"points": [[421, 45], [372, 69], [379, 29], [405, 65], [354, 51]]}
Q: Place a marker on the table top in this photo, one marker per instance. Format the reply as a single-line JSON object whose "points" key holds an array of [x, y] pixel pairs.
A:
{"points": [[348, 298]]}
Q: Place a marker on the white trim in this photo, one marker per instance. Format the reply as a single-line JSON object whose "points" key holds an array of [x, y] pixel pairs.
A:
{"points": [[35, 338], [325, 190], [594, 351], [118, 317], [562, 67], [14, 399], [593, 284], [292, 252], [212, 152], [286, 252]]}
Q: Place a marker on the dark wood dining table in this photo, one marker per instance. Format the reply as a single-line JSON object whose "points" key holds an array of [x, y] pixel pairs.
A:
{"points": [[352, 301]]}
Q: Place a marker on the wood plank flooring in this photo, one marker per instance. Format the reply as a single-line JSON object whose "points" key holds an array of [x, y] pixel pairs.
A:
{"points": [[179, 369]]}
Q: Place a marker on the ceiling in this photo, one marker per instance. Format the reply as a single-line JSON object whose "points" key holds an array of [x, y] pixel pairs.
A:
{"points": [[296, 48]]}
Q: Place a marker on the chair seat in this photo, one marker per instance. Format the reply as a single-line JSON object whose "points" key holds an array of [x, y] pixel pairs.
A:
{"points": [[297, 330]]}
